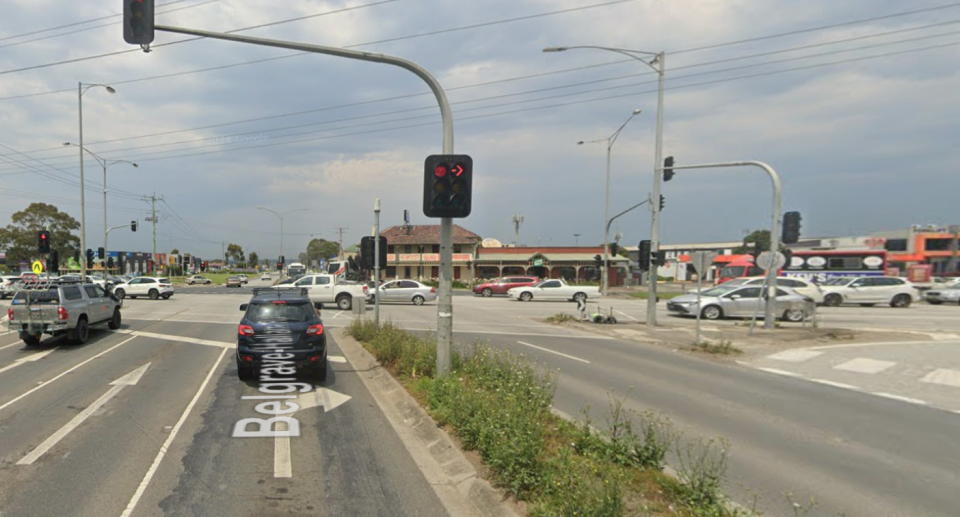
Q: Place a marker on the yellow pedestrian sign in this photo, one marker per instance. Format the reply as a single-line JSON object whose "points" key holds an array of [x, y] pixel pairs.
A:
{"points": [[37, 267]]}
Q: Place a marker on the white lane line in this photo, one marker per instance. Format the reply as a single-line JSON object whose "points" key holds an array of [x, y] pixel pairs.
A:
{"points": [[47, 383], [12, 344], [8, 333], [864, 365], [337, 315], [183, 339], [900, 398], [780, 372], [129, 379], [29, 359], [554, 352], [282, 465], [166, 444], [629, 316], [336, 359], [837, 384]]}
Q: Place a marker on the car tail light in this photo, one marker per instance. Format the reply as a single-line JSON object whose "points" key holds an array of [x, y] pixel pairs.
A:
{"points": [[279, 302], [314, 358], [433, 289], [10, 313], [315, 329], [62, 313], [365, 289], [246, 358], [245, 330]]}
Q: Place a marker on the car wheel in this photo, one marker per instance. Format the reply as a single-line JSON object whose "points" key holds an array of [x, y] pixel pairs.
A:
{"points": [[867, 304], [901, 301], [154, 294], [344, 303], [418, 300], [30, 339], [487, 292], [711, 312], [115, 320], [580, 297], [934, 302], [166, 296], [80, 334], [833, 300], [793, 315], [526, 297], [120, 293]]}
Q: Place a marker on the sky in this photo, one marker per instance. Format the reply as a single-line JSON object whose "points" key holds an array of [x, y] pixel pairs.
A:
{"points": [[854, 103]]}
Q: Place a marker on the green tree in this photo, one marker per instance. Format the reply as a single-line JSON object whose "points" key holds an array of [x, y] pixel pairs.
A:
{"points": [[322, 249], [253, 259], [761, 236], [303, 259], [175, 251], [19, 239], [235, 252]]}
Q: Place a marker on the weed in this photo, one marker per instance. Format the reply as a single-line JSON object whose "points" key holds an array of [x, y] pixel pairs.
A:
{"points": [[724, 347], [561, 317], [702, 464]]}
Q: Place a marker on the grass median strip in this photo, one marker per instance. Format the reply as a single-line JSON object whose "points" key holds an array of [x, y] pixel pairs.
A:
{"points": [[498, 404]]}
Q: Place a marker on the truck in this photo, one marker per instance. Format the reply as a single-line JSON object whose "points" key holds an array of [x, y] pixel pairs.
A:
{"points": [[554, 289], [58, 309], [327, 288]]}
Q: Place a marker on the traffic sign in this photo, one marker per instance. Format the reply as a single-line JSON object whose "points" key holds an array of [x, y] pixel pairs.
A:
{"points": [[37, 267], [702, 260], [771, 260]]}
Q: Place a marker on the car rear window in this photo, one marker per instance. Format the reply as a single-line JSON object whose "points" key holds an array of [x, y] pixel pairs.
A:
{"points": [[284, 312], [163, 280], [72, 293], [49, 297]]}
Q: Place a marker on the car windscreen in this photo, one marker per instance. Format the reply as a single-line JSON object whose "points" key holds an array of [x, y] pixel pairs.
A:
{"points": [[717, 291], [282, 312]]}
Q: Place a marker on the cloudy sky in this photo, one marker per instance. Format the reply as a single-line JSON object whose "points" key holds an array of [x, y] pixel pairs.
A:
{"points": [[855, 103]]}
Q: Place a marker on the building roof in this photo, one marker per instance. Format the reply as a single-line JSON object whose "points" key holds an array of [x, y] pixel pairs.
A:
{"points": [[427, 234], [545, 250], [551, 254]]}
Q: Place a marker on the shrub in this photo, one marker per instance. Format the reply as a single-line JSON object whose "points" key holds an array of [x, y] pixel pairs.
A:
{"points": [[561, 317]]}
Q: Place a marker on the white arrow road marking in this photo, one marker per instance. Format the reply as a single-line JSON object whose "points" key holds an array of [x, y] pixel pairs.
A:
{"points": [[127, 380], [329, 399], [29, 359]]}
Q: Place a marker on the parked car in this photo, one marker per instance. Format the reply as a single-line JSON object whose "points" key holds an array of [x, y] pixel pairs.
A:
{"points": [[198, 279], [554, 290], [406, 291], [234, 281], [243, 278], [943, 295], [502, 285], [145, 286], [9, 286], [64, 309], [869, 291], [798, 285], [737, 301]]}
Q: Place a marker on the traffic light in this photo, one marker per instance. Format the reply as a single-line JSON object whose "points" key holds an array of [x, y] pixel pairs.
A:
{"points": [[89, 258], [614, 249], [661, 258], [133, 226], [668, 168], [43, 241], [53, 262], [280, 264], [663, 202], [643, 251], [791, 227], [447, 185], [368, 252], [138, 21], [756, 251], [109, 262], [101, 252], [597, 261], [76, 256]]}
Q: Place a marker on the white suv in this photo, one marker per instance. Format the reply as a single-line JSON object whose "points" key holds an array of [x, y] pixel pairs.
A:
{"points": [[869, 291], [145, 286]]}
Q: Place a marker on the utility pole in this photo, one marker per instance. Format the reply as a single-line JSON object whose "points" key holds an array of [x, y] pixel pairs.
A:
{"points": [[340, 231], [376, 261], [517, 221], [153, 219]]}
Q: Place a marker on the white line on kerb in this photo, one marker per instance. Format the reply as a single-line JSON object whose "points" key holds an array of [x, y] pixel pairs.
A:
{"points": [[836, 384], [900, 398], [554, 352], [166, 444], [780, 372]]}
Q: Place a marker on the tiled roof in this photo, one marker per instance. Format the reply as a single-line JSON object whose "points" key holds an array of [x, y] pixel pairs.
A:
{"points": [[528, 251], [427, 234]]}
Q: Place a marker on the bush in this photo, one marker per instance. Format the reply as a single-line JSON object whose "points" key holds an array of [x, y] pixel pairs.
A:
{"points": [[561, 317]]}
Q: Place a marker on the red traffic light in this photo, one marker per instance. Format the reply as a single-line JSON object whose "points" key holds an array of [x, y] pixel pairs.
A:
{"points": [[440, 171]]}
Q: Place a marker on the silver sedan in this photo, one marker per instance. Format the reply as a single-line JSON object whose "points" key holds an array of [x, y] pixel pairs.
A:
{"points": [[740, 302], [405, 291], [943, 295]]}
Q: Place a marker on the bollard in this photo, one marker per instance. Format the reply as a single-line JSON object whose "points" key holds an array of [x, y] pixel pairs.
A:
{"points": [[359, 305]]}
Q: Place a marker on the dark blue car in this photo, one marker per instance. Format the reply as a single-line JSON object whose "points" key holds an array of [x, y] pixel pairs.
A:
{"points": [[281, 333]]}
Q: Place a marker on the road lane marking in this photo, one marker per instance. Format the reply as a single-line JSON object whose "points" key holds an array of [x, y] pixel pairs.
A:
{"points": [[943, 376], [837, 384], [554, 352], [864, 365], [8, 333], [627, 315], [47, 383], [780, 372], [282, 465], [12, 344], [29, 359], [336, 359], [129, 379], [184, 339], [900, 398], [795, 356], [166, 444]]}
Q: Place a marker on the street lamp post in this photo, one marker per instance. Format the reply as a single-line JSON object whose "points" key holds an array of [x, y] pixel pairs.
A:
{"points": [[657, 61], [83, 209], [103, 163], [278, 214], [606, 202]]}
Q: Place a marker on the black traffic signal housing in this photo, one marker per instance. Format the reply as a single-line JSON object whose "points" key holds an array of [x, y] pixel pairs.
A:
{"points": [[668, 168], [133, 226], [280, 264], [138, 21], [757, 250], [53, 262], [43, 241], [110, 263], [663, 202], [614, 249], [76, 256], [661, 258], [791, 227], [643, 252], [101, 252], [368, 252], [89, 258], [447, 185], [597, 261]]}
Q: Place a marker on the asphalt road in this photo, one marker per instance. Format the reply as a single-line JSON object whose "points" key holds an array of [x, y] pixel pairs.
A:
{"points": [[144, 419]]}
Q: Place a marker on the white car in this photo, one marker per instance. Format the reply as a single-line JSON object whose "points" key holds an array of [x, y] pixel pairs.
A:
{"points": [[8, 286], [407, 291], [940, 295], [243, 278], [868, 291], [265, 277], [554, 290], [145, 286], [198, 279], [798, 285]]}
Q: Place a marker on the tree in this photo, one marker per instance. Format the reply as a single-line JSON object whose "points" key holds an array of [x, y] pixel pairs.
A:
{"points": [[235, 252], [19, 239], [253, 258], [322, 249], [761, 236], [303, 259], [175, 251]]}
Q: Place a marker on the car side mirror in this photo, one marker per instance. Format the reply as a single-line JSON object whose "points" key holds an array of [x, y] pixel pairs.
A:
{"points": [[243, 306], [318, 306], [734, 296]]}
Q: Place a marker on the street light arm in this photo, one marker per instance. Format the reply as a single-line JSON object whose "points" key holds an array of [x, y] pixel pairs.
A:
{"points": [[271, 211], [626, 52], [296, 210], [613, 137], [638, 205], [102, 161]]}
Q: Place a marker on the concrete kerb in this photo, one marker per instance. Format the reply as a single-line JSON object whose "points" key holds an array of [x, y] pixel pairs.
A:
{"points": [[453, 478]]}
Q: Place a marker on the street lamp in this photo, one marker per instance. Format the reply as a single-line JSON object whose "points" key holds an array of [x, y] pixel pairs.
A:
{"points": [[278, 214], [81, 89], [605, 283], [104, 163], [656, 61]]}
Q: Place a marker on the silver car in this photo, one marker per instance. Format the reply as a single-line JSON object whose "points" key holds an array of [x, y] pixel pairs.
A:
{"points": [[406, 291], [943, 295], [740, 302]]}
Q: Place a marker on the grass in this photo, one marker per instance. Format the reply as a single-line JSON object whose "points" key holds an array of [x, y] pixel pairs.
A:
{"points": [[561, 317], [724, 347], [663, 296], [499, 404], [221, 278]]}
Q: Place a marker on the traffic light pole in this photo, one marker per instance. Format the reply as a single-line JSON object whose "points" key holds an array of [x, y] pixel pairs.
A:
{"points": [[376, 261], [769, 316], [445, 302]]}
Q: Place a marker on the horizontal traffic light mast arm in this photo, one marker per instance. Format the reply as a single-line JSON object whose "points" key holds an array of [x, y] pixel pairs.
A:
{"points": [[421, 72], [638, 205], [118, 227]]}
